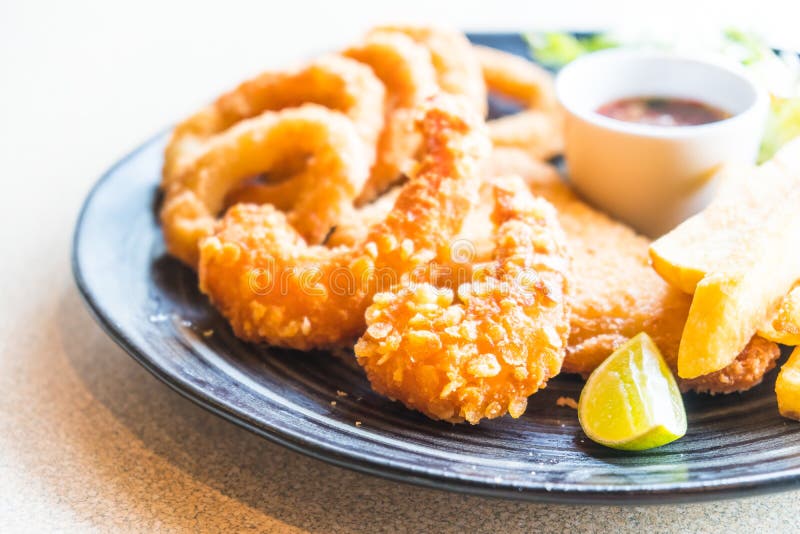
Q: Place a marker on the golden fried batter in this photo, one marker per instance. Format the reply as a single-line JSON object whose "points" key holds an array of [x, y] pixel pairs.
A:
{"points": [[784, 325], [332, 81], [273, 287], [538, 128], [413, 63], [457, 69], [615, 293], [477, 350], [517, 78], [406, 70], [353, 229], [329, 182]]}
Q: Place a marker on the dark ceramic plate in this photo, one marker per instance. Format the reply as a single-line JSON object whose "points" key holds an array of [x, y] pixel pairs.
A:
{"points": [[150, 305]]}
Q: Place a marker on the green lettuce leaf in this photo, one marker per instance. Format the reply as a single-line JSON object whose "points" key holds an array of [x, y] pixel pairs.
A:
{"points": [[555, 49], [783, 125]]}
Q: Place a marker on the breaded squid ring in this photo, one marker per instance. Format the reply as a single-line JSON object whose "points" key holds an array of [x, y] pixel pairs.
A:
{"points": [[413, 63], [273, 287], [538, 128], [332, 81], [539, 133], [457, 68], [329, 182], [481, 350], [516, 78], [406, 70]]}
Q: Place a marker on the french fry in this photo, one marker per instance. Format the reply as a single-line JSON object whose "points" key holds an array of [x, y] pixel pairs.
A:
{"points": [[740, 257], [787, 387], [783, 326]]}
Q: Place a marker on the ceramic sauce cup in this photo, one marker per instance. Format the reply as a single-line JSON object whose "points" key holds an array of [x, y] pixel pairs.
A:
{"points": [[654, 176]]}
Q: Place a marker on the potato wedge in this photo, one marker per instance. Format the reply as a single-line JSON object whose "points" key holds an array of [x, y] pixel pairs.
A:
{"points": [[726, 311], [739, 258], [787, 387], [701, 243], [784, 325]]}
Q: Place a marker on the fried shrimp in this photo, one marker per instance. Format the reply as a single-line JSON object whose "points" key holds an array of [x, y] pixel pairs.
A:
{"points": [[406, 70], [329, 182], [457, 69], [616, 293], [538, 128], [481, 349], [333, 81], [274, 287]]}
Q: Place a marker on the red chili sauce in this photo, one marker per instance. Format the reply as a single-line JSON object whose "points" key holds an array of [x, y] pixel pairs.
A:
{"points": [[660, 111]]}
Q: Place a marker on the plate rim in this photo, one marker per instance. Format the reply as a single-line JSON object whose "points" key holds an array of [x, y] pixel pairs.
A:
{"points": [[736, 487]]}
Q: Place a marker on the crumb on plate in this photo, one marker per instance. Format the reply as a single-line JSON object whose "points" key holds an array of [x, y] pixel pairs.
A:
{"points": [[568, 402]]}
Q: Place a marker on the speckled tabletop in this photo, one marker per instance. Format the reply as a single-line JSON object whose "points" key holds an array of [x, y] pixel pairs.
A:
{"points": [[88, 439]]}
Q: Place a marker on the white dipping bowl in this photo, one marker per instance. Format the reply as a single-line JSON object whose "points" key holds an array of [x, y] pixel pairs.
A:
{"points": [[654, 177]]}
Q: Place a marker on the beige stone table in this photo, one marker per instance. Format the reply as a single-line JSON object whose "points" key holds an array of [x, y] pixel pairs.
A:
{"points": [[88, 439]]}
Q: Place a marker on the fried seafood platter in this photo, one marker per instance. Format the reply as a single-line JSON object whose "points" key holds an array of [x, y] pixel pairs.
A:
{"points": [[363, 201], [367, 257], [379, 257]]}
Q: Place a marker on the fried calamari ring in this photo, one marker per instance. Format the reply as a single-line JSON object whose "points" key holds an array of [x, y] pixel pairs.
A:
{"points": [[406, 70], [539, 133], [413, 63], [273, 287], [538, 128], [481, 350], [332, 81], [457, 69], [329, 182], [516, 78], [403, 66]]}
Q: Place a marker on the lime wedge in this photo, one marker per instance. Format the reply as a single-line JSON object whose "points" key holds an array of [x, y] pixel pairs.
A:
{"points": [[631, 401]]}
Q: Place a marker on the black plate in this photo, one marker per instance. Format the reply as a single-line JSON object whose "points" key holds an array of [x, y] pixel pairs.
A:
{"points": [[150, 305]]}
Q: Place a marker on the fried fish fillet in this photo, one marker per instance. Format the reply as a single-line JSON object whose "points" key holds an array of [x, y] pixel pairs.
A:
{"points": [[615, 292]]}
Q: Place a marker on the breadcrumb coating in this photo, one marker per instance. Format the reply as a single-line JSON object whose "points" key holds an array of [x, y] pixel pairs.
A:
{"points": [[480, 349], [194, 199], [616, 293], [274, 287]]}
